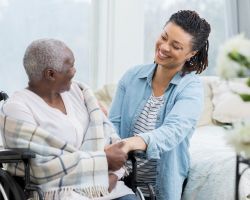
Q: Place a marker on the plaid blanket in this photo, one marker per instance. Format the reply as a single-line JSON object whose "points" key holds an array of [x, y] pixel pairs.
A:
{"points": [[59, 167]]}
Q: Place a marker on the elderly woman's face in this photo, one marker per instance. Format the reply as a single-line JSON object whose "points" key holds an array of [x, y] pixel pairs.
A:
{"points": [[64, 78], [173, 47]]}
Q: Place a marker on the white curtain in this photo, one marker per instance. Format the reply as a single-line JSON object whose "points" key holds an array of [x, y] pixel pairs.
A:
{"points": [[238, 17]]}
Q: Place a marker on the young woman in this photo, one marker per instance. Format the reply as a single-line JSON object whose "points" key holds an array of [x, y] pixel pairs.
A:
{"points": [[156, 106]]}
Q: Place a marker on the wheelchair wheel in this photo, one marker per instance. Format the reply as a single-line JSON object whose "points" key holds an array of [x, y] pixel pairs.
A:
{"points": [[9, 189]]}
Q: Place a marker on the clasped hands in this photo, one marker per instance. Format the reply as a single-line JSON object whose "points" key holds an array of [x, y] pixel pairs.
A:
{"points": [[117, 154]]}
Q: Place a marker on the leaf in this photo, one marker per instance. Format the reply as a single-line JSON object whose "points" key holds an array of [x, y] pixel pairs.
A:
{"points": [[245, 97], [239, 58], [248, 82]]}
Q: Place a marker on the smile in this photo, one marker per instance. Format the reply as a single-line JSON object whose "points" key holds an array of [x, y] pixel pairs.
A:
{"points": [[161, 55]]}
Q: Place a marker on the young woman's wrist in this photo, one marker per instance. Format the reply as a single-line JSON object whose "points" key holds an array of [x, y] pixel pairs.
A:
{"points": [[134, 143], [127, 145]]}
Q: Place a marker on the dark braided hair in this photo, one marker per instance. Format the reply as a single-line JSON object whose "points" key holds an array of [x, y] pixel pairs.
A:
{"points": [[199, 28]]}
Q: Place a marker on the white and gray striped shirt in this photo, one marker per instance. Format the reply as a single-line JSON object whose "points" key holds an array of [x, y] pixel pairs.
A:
{"points": [[146, 169]]}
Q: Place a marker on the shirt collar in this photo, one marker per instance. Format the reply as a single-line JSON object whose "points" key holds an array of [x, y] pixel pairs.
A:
{"points": [[148, 72], [177, 78]]}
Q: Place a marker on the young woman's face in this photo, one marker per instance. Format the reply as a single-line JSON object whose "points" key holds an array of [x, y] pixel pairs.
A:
{"points": [[173, 47]]}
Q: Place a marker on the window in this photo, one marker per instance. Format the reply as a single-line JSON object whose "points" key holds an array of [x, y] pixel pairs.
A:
{"points": [[117, 35], [24, 21], [156, 13]]}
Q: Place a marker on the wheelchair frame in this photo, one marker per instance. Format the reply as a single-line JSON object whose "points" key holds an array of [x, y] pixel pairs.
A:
{"points": [[15, 156], [131, 179]]}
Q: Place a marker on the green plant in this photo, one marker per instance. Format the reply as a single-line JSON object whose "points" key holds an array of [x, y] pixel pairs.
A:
{"points": [[244, 62], [234, 61]]}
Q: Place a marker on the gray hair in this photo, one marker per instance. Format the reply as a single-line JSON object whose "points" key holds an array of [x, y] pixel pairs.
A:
{"points": [[42, 54]]}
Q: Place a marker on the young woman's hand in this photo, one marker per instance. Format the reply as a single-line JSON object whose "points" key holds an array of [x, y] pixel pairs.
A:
{"points": [[133, 143]]}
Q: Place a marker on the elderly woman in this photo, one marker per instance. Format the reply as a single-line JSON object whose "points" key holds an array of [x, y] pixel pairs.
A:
{"points": [[156, 106], [61, 122]]}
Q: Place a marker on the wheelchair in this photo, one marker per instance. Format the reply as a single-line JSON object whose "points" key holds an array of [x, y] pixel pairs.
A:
{"points": [[21, 188]]}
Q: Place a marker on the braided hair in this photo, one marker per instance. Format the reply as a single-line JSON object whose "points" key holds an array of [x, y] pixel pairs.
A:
{"points": [[199, 28]]}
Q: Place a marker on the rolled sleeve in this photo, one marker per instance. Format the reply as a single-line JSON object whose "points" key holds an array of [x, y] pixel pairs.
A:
{"points": [[152, 151]]}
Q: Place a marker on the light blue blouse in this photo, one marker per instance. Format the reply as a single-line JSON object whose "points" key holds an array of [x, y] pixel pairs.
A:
{"points": [[175, 123]]}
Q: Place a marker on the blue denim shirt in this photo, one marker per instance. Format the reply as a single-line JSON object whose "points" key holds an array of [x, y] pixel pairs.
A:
{"points": [[175, 124]]}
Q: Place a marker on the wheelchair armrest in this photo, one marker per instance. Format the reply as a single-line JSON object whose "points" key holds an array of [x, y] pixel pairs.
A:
{"points": [[136, 153], [19, 154], [14, 155]]}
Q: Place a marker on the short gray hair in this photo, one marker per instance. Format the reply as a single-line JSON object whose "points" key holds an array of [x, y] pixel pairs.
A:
{"points": [[42, 54]]}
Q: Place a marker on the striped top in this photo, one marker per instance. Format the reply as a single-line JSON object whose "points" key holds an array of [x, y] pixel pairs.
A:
{"points": [[146, 171]]}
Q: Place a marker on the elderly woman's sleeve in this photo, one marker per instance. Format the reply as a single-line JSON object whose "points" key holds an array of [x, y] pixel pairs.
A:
{"points": [[179, 123], [18, 111]]}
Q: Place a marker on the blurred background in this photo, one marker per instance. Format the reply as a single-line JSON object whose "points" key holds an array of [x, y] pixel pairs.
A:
{"points": [[106, 36]]}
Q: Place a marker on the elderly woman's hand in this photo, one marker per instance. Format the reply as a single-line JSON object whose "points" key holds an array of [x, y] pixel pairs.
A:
{"points": [[112, 181], [116, 156]]}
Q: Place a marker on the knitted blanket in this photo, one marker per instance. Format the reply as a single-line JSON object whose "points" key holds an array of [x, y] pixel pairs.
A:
{"points": [[59, 167]]}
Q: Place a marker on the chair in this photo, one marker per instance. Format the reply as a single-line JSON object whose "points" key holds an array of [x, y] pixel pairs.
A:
{"points": [[18, 188]]}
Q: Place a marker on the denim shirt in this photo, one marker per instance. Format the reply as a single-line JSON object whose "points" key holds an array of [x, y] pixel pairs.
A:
{"points": [[175, 124]]}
